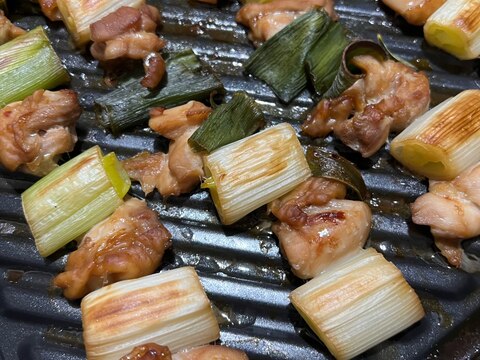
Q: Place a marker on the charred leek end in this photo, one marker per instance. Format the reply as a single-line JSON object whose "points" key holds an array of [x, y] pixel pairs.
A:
{"points": [[444, 141], [280, 61], [72, 198], [128, 105], [169, 308], [324, 59], [253, 171], [229, 122], [78, 15], [357, 303], [455, 28], [29, 63]]}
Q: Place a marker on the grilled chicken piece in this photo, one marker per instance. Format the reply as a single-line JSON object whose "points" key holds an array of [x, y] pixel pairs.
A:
{"points": [[416, 12], [150, 351], [36, 131], [129, 33], [8, 31], [452, 210], [181, 170], [127, 245], [388, 98], [265, 20], [50, 9], [316, 227], [210, 352]]}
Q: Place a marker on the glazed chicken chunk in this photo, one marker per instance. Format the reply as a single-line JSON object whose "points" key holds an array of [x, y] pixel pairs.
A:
{"points": [[388, 98], [8, 31], [129, 33], [452, 210], [316, 226], [36, 131], [265, 20], [180, 170], [416, 12], [152, 351], [50, 9], [127, 245]]}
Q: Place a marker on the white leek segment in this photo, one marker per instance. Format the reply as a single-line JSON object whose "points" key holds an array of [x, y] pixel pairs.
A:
{"points": [[455, 28], [357, 302], [169, 308], [78, 15], [73, 198], [444, 141], [253, 171]]}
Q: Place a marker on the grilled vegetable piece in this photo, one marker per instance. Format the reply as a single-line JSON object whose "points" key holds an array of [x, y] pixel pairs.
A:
{"points": [[416, 12], [128, 244], [251, 172], [78, 15], [29, 63], [72, 198], [169, 308], [8, 31], [455, 28], [36, 131], [127, 106], [444, 141], [357, 303], [232, 121]]}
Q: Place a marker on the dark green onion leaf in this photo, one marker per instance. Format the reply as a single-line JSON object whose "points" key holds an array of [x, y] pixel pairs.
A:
{"points": [[332, 166], [238, 118], [348, 74], [325, 57], [392, 55], [186, 79], [280, 61]]}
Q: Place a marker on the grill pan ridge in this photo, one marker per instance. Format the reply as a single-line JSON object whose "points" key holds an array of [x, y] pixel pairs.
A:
{"points": [[240, 266]]}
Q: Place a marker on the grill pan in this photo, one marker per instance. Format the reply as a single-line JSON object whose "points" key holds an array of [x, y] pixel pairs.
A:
{"points": [[240, 266]]}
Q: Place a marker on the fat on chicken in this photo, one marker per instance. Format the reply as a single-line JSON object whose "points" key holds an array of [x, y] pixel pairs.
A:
{"points": [[8, 31]]}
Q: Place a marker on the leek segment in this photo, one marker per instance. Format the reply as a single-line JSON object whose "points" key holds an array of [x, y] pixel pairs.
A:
{"points": [[72, 198], [29, 63], [168, 308], [357, 302], [444, 141], [251, 172]]}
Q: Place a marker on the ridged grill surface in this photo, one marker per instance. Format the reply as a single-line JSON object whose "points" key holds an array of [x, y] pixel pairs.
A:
{"points": [[241, 267]]}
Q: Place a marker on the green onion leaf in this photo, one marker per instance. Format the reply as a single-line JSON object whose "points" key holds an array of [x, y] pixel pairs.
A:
{"points": [[392, 55], [229, 122], [324, 59], [333, 166], [186, 79], [349, 74], [29, 63], [280, 61]]}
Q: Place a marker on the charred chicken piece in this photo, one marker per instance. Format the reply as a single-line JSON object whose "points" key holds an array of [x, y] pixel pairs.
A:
{"points": [[129, 33], [452, 210], [265, 20], [181, 170], [36, 131], [416, 12], [127, 245], [316, 227], [388, 98], [8, 31]]}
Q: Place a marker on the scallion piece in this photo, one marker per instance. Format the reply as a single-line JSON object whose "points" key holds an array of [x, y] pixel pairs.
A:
{"points": [[187, 79], [29, 63], [332, 166], [348, 74], [72, 198], [325, 57], [280, 61], [229, 122]]}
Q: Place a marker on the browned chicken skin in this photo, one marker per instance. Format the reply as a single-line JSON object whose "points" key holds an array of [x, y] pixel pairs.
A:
{"points": [[265, 20], [181, 170], [388, 98], [452, 210], [8, 31], [130, 33], [37, 130], [416, 12], [150, 351], [316, 227], [127, 245]]}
